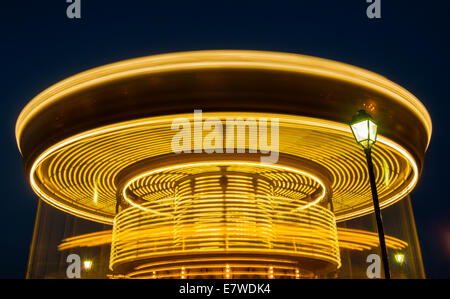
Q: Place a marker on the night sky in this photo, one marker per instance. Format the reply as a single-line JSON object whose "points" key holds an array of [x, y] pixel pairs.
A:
{"points": [[409, 45]]}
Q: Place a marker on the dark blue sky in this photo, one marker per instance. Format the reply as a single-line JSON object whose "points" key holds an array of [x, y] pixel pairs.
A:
{"points": [[409, 45]]}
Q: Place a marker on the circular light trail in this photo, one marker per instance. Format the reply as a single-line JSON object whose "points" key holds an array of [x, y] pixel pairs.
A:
{"points": [[223, 227], [98, 145], [245, 167], [85, 167]]}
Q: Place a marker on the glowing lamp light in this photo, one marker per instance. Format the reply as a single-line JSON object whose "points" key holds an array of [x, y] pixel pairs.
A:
{"points": [[400, 258], [87, 265], [365, 132], [364, 129]]}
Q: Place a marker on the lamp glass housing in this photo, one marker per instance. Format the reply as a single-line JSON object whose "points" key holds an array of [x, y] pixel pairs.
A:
{"points": [[364, 129]]}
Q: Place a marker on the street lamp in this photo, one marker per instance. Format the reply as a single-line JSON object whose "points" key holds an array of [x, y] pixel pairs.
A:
{"points": [[365, 132]]}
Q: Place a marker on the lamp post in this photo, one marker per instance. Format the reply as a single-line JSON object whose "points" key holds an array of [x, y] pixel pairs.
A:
{"points": [[365, 132]]}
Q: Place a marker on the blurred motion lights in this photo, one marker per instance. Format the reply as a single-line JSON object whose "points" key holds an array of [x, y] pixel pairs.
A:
{"points": [[102, 145], [400, 258]]}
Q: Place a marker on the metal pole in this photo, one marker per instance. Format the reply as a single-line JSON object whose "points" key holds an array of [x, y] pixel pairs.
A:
{"points": [[376, 205]]}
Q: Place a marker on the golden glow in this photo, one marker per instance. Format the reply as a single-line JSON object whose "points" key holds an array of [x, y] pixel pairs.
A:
{"points": [[87, 240], [219, 225], [221, 60], [365, 133], [360, 240], [400, 258], [87, 264], [352, 239], [95, 195], [215, 268], [216, 217], [85, 166], [238, 165]]}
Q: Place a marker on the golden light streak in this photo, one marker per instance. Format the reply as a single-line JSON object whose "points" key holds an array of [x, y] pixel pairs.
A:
{"points": [[223, 59], [224, 163], [218, 215], [88, 154], [353, 239]]}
